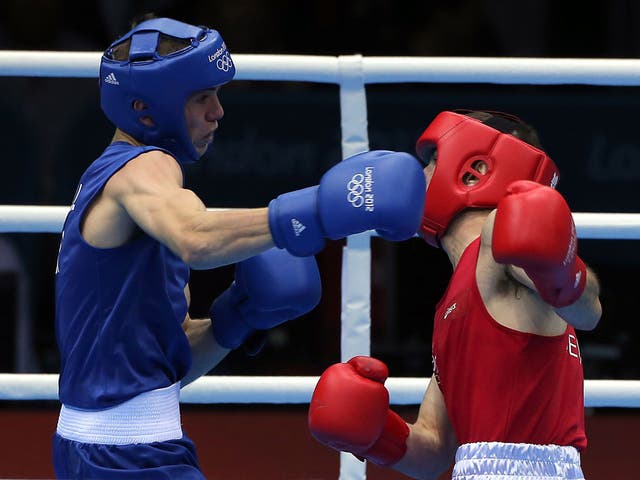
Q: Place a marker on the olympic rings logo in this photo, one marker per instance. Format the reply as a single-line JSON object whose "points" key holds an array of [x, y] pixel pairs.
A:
{"points": [[356, 189], [224, 63]]}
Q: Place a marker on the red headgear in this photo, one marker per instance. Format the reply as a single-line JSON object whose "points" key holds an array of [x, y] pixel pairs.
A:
{"points": [[460, 142]]}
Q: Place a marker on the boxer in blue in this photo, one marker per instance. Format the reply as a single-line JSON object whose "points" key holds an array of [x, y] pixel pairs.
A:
{"points": [[133, 233]]}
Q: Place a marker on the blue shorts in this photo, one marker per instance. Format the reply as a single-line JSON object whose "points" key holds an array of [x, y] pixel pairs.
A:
{"points": [[171, 459]]}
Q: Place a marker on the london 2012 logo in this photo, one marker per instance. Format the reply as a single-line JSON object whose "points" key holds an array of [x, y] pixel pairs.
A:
{"points": [[360, 190], [224, 63], [222, 58]]}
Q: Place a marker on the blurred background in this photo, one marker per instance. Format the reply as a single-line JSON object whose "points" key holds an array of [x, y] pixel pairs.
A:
{"points": [[279, 136]]}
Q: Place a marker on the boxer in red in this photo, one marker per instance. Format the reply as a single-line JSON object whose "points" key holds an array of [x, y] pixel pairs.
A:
{"points": [[506, 396]]}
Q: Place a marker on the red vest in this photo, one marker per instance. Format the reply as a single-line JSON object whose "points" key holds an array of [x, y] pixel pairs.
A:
{"points": [[500, 384]]}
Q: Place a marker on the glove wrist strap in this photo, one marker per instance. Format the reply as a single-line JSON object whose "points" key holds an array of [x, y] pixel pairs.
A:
{"points": [[562, 292], [227, 324], [392, 444]]}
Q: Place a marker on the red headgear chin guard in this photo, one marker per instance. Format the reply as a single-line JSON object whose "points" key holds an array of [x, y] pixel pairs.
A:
{"points": [[460, 142]]}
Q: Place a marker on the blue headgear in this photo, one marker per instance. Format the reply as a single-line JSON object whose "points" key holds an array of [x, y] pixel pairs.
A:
{"points": [[163, 83]]}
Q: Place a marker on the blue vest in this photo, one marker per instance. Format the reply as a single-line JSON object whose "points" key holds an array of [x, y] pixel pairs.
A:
{"points": [[119, 311]]}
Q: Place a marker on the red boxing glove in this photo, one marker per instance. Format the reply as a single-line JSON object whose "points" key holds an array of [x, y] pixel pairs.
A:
{"points": [[534, 230], [350, 412]]}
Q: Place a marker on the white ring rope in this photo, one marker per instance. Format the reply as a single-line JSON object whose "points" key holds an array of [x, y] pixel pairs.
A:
{"points": [[297, 390], [362, 71], [49, 219], [324, 69]]}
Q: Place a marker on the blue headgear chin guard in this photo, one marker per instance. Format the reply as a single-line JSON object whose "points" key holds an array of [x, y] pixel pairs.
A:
{"points": [[163, 83]]}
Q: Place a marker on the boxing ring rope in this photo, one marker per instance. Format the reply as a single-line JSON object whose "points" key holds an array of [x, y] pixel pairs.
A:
{"points": [[49, 219], [351, 73], [324, 69], [234, 389]]}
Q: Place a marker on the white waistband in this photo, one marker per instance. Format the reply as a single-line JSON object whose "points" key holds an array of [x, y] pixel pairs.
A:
{"points": [[497, 461], [150, 417]]}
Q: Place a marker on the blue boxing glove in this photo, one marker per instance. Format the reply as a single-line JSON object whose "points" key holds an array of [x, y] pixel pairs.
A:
{"points": [[268, 289], [376, 190]]}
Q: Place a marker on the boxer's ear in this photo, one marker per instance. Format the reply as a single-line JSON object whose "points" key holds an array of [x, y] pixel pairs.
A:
{"points": [[139, 106]]}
